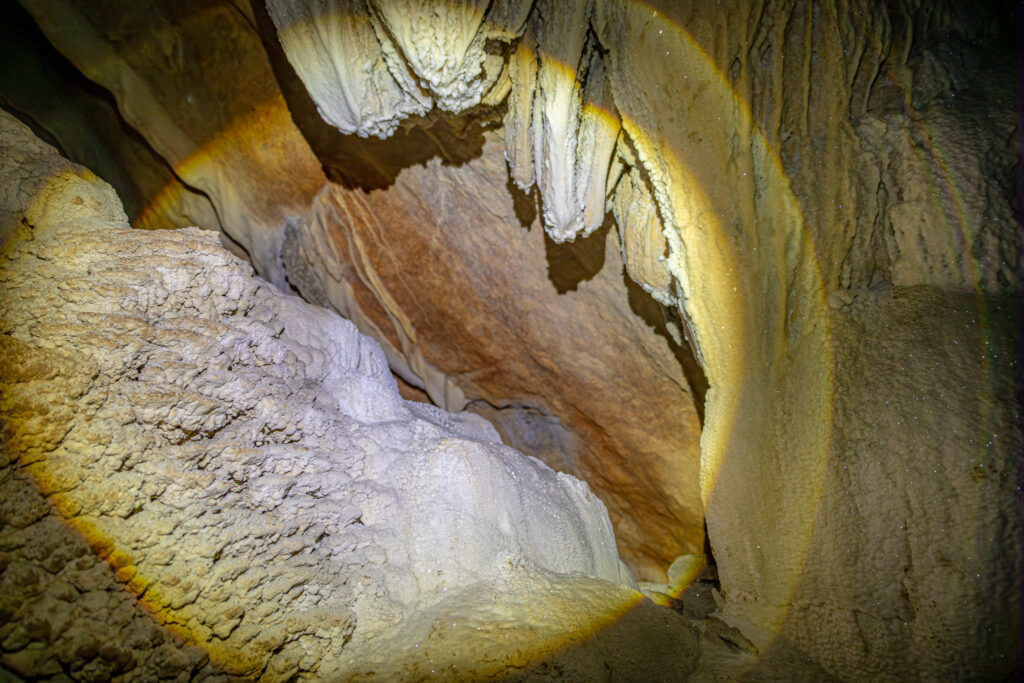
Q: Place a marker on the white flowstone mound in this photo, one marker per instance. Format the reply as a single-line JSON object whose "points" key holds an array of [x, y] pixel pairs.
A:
{"points": [[244, 458]]}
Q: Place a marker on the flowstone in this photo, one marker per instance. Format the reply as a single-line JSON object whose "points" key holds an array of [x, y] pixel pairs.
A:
{"points": [[244, 464]]}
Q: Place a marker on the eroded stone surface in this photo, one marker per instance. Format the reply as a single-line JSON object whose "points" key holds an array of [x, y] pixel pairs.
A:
{"points": [[46, 91], [251, 161], [194, 81], [795, 154], [765, 220], [780, 175], [339, 57], [543, 349], [928, 431], [243, 463]]}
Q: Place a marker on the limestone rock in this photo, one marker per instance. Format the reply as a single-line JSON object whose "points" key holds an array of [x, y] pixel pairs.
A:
{"points": [[751, 160], [337, 54], [42, 188], [934, 165], [491, 340], [199, 89], [787, 176], [643, 245], [242, 460], [561, 37], [267, 172], [931, 376], [598, 133], [63, 610], [519, 112], [40, 87], [641, 641]]}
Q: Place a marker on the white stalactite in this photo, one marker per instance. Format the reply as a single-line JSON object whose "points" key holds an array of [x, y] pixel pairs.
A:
{"points": [[518, 116], [643, 244], [436, 40], [369, 65], [335, 50], [598, 133], [561, 38]]}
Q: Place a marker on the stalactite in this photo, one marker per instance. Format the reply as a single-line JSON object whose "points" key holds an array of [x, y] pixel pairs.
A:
{"points": [[344, 64], [557, 107], [598, 133]]}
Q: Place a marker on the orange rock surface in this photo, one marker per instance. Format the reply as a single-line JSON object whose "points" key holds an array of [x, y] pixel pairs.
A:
{"points": [[550, 342]]}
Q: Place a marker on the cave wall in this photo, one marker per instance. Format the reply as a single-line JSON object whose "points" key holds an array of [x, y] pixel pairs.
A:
{"points": [[194, 82], [659, 518], [433, 277], [796, 178], [869, 196], [793, 165], [206, 477]]}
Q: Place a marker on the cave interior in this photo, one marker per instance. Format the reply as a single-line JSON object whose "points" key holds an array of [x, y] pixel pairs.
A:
{"points": [[510, 340]]}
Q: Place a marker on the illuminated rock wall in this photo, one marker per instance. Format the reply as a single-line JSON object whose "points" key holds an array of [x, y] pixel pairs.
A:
{"points": [[581, 411], [795, 156], [793, 180], [243, 462], [433, 278]]}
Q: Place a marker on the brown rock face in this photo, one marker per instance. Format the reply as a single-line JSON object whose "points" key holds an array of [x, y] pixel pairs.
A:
{"points": [[193, 79], [550, 342]]}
